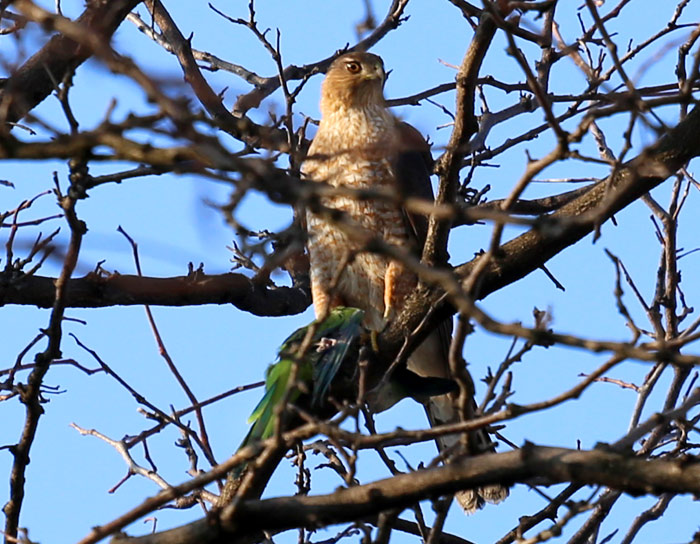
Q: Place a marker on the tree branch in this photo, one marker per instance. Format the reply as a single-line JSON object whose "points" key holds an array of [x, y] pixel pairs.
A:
{"points": [[528, 252], [97, 291], [37, 78], [253, 98], [596, 467], [449, 164]]}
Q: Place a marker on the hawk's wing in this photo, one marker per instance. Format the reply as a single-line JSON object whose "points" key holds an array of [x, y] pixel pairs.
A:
{"points": [[414, 163], [413, 166]]}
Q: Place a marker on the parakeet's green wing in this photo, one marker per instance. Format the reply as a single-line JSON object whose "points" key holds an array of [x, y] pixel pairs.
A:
{"points": [[318, 365], [342, 327]]}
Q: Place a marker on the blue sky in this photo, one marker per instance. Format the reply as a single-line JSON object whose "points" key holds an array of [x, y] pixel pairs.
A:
{"points": [[219, 347]]}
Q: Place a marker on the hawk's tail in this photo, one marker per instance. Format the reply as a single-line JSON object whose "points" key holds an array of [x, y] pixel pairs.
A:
{"points": [[441, 410], [430, 359]]}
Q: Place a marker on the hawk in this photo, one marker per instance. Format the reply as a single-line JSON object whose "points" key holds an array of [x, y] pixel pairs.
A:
{"points": [[361, 145]]}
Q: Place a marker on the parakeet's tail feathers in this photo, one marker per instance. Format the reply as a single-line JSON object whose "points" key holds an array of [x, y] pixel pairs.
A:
{"points": [[263, 420], [263, 407], [341, 328]]}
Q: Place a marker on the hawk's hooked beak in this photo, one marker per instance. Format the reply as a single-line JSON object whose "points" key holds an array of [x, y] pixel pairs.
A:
{"points": [[376, 72]]}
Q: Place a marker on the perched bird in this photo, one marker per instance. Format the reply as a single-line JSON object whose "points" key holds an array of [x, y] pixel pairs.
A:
{"points": [[361, 145], [301, 377], [333, 339]]}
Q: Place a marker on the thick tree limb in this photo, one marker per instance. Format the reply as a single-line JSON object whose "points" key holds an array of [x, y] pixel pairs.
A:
{"points": [[538, 206], [580, 217], [211, 530], [96, 291], [528, 252], [597, 467], [449, 164], [515, 259], [238, 126], [40, 75], [37, 78]]}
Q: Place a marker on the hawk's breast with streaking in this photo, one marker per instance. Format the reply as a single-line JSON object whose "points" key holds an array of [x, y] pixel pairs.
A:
{"points": [[354, 149]]}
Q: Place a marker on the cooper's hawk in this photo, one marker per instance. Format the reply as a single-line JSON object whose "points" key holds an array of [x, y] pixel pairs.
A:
{"points": [[361, 145]]}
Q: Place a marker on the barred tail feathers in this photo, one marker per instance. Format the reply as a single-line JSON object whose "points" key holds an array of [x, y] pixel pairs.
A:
{"points": [[429, 359]]}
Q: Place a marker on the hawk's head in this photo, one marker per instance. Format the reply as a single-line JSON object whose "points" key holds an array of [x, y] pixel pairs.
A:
{"points": [[355, 80]]}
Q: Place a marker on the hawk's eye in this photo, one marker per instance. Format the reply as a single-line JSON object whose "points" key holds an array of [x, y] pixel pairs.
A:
{"points": [[353, 67]]}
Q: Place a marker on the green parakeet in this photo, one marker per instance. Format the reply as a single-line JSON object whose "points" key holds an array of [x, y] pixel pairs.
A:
{"points": [[330, 344], [332, 341]]}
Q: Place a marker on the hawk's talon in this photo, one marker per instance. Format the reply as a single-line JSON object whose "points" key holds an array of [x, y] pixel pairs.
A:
{"points": [[374, 340], [389, 314]]}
